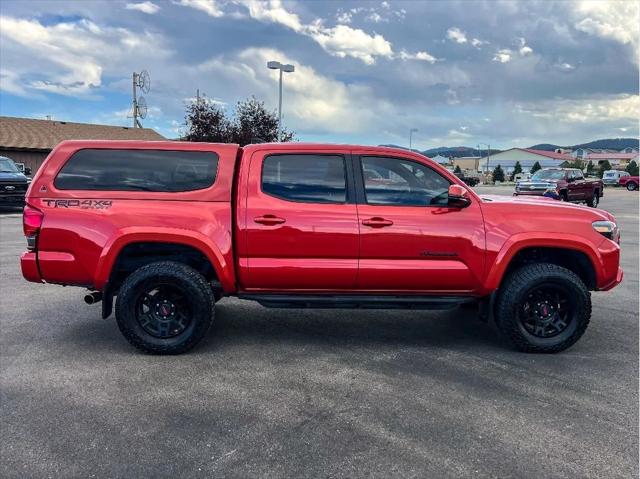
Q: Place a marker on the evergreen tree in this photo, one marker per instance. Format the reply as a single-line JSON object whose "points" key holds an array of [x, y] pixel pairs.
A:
{"points": [[517, 168], [457, 169], [536, 166], [498, 174], [590, 168], [604, 166], [632, 168]]}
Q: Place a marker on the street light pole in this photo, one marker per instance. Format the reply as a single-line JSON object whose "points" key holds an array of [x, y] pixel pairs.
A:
{"points": [[273, 65], [486, 169], [411, 131]]}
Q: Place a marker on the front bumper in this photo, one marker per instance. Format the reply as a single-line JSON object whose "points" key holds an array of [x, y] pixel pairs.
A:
{"points": [[13, 200]]}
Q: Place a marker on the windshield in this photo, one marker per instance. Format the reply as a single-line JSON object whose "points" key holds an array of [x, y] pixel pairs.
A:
{"points": [[8, 166], [548, 175]]}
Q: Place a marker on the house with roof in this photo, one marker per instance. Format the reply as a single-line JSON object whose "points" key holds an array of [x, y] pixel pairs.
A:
{"points": [[618, 160], [29, 141], [526, 156]]}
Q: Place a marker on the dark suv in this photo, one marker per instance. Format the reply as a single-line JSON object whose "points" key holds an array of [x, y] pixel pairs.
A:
{"points": [[13, 183]]}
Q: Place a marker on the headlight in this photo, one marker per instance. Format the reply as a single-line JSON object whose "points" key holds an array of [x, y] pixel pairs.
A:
{"points": [[607, 229]]}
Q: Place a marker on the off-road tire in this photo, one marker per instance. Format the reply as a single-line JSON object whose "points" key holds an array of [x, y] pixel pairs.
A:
{"points": [[594, 201], [514, 292], [193, 285]]}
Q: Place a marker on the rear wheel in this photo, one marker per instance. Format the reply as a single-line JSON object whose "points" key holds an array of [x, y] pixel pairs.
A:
{"points": [[563, 196], [594, 201], [165, 308], [631, 186], [543, 308]]}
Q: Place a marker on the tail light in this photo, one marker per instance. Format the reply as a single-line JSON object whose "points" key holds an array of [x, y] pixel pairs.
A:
{"points": [[31, 223]]}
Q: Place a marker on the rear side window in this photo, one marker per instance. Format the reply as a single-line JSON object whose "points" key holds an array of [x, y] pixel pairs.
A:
{"points": [[138, 170], [306, 178]]}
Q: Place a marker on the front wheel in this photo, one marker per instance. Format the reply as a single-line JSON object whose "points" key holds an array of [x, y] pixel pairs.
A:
{"points": [[594, 201], [632, 186], [543, 308], [165, 308]]}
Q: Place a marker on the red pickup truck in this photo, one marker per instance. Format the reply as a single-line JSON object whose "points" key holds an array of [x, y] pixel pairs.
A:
{"points": [[168, 228], [565, 184]]}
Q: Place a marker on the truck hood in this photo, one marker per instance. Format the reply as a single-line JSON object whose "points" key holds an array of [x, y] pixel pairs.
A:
{"points": [[554, 207], [17, 177]]}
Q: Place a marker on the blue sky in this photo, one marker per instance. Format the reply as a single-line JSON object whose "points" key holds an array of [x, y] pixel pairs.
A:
{"points": [[504, 73]]}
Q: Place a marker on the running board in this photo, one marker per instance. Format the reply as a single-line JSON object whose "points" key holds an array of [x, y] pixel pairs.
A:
{"points": [[357, 301]]}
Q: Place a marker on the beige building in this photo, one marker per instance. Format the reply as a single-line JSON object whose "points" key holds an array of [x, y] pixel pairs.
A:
{"points": [[29, 141], [467, 163]]}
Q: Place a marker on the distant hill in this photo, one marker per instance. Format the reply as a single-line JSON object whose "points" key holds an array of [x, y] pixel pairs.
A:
{"points": [[606, 144], [457, 151]]}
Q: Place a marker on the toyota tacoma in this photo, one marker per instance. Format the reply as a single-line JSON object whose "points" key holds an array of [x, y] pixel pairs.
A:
{"points": [[166, 229]]}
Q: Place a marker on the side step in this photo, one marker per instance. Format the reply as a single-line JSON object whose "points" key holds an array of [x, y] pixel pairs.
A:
{"points": [[357, 301]]}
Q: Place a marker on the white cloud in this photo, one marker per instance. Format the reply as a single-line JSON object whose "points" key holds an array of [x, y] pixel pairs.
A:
{"points": [[476, 42], [524, 49], [615, 20], [144, 7], [456, 35], [423, 56], [344, 17], [503, 56], [375, 17], [587, 110], [341, 40], [210, 7], [350, 108], [67, 58]]}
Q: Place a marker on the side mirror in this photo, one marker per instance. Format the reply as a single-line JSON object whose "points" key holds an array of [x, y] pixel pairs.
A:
{"points": [[27, 171], [458, 197]]}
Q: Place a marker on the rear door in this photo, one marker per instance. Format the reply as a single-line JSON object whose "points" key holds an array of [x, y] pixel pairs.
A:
{"points": [[301, 224], [410, 239]]}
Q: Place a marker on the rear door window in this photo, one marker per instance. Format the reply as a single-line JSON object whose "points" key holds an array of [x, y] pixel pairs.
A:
{"points": [[138, 170], [305, 178]]}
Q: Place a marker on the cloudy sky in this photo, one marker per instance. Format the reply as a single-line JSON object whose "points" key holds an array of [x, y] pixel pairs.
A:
{"points": [[504, 73]]}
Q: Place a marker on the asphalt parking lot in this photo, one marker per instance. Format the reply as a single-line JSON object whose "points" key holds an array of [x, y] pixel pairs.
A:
{"points": [[290, 393]]}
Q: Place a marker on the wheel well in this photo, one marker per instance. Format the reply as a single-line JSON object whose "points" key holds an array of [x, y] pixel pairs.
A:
{"points": [[136, 255], [573, 260]]}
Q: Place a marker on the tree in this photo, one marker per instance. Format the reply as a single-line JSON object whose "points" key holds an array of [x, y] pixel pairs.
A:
{"points": [[207, 122], [517, 168], [590, 168], [457, 169], [632, 168], [536, 166], [251, 123], [498, 174], [604, 166]]}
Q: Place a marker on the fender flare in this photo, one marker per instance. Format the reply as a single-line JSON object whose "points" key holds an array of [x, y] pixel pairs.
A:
{"points": [[521, 241], [113, 247]]}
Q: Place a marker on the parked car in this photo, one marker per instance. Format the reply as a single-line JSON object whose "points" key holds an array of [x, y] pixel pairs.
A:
{"points": [[168, 228], [565, 184], [13, 183], [612, 177], [629, 182], [468, 180]]}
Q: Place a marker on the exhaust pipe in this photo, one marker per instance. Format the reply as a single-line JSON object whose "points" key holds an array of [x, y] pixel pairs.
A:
{"points": [[93, 297]]}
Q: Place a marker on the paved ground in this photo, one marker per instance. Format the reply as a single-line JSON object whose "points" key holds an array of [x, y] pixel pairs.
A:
{"points": [[285, 393]]}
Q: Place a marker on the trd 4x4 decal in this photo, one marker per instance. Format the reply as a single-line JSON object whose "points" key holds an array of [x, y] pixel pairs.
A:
{"points": [[82, 204]]}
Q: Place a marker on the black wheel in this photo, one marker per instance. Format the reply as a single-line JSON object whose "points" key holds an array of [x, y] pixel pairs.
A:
{"points": [[632, 186], [594, 201], [165, 308], [543, 308], [563, 196]]}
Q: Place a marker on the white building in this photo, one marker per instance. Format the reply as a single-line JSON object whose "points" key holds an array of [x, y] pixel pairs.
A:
{"points": [[527, 157]]}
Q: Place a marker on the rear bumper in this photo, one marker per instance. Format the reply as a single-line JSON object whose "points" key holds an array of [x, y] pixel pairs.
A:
{"points": [[29, 267]]}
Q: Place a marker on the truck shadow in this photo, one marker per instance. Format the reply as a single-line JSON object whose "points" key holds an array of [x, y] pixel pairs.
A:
{"points": [[344, 327]]}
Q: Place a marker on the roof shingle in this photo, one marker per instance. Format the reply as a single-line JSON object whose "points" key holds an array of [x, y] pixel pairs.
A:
{"points": [[29, 133]]}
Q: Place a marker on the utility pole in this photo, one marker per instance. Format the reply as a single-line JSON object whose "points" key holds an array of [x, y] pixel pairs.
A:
{"points": [[135, 101], [411, 132]]}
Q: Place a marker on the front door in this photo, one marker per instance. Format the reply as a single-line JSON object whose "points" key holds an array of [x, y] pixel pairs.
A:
{"points": [[410, 239], [301, 224]]}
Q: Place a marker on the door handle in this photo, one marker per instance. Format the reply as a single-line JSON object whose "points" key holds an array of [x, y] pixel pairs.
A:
{"points": [[377, 222], [269, 220]]}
